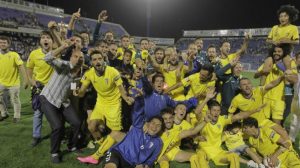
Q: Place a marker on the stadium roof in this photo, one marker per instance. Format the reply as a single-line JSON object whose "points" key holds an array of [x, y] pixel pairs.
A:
{"points": [[170, 17]]}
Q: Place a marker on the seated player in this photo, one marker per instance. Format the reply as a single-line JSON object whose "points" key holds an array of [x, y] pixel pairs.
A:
{"points": [[172, 136], [276, 151], [233, 137], [251, 98], [212, 133], [142, 144]]}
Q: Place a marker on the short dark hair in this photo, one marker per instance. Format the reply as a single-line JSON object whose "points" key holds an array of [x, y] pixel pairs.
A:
{"points": [[95, 52], [125, 36], [243, 78], [250, 122], [224, 41], [159, 49], [79, 36], [167, 110], [128, 51], [198, 38], [208, 67], [160, 119], [290, 10], [46, 32], [99, 42], [144, 39], [157, 75], [236, 124], [6, 38], [212, 103], [212, 46]]}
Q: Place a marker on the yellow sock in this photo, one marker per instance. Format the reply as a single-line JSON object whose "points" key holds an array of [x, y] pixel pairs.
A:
{"points": [[234, 160], [202, 159], [107, 143], [100, 141], [164, 164]]}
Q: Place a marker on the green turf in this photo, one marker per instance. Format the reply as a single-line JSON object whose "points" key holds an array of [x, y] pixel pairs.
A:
{"points": [[15, 139]]}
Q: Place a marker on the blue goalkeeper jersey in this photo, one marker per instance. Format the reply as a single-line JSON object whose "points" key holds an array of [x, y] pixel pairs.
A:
{"points": [[138, 147]]}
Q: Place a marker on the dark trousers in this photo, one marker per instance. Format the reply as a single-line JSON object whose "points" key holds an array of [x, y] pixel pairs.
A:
{"points": [[56, 118]]}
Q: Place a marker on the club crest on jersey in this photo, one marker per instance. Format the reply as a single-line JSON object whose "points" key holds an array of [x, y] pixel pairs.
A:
{"points": [[151, 144]]}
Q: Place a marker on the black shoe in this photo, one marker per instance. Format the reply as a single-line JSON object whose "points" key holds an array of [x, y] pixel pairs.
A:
{"points": [[16, 120], [35, 142], [56, 159], [3, 118]]}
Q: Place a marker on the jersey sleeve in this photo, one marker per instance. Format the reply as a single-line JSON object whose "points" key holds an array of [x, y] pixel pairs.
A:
{"points": [[30, 61], [186, 81], [86, 79], [295, 33], [274, 137], [233, 106], [117, 78], [18, 59], [270, 36]]}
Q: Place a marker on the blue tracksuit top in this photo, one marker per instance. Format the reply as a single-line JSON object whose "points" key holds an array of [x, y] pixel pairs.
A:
{"points": [[155, 102], [138, 147]]}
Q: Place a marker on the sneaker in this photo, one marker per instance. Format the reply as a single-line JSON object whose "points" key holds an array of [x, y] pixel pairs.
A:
{"points": [[16, 120], [91, 145], [88, 159], [55, 158], [35, 141]]}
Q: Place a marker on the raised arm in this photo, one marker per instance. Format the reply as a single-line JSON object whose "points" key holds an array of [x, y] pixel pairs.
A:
{"points": [[74, 18], [245, 114], [53, 27], [272, 84], [244, 45], [102, 17], [210, 94]]}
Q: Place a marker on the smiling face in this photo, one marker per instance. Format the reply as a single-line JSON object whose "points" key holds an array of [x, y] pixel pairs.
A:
{"points": [[4, 44], [159, 56], [246, 87], [199, 44], [76, 58], [168, 120], [284, 18], [278, 53], [127, 58], [154, 126]]}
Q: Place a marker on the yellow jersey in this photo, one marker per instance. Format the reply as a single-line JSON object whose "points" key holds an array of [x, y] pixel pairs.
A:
{"points": [[171, 137], [265, 144], [225, 61], [197, 87], [120, 52], [233, 141], [106, 85], [279, 32], [41, 70], [213, 134], [170, 79], [244, 104], [9, 71]]}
